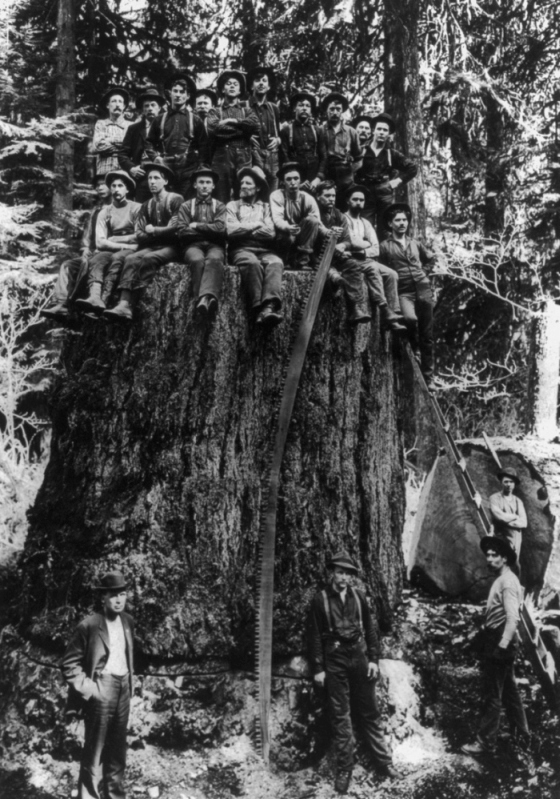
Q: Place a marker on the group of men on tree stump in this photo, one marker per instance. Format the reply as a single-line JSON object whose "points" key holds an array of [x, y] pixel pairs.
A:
{"points": [[192, 176]]}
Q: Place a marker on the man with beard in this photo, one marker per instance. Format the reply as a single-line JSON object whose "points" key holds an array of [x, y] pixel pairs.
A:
{"points": [[507, 510], [303, 141], [363, 127], [499, 685], [178, 137], [251, 233], [383, 169], [382, 281], [343, 148], [231, 128], [133, 151], [295, 216], [108, 134], [262, 83], [156, 234]]}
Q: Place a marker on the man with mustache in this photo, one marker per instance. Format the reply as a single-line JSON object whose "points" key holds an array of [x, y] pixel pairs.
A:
{"points": [[133, 150], [343, 149], [304, 142], [108, 134]]}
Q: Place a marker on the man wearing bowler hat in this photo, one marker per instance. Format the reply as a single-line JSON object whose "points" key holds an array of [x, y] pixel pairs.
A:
{"points": [[343, 148], [133, 151], [383, 169], [498, 652], [344, 657], [261, 82], [98, 667], [231, 128], [304, 141], [108, 134], [508, 511], [201, 229]]}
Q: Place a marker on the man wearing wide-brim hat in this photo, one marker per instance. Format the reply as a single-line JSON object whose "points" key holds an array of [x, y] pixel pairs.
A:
{"points": [[507, 510], [178, 137], [133, 151], [261, 82], [343, 150], [302, 140], [98, 666], [498, 651], [231, 128], [108, 134], [344, 657]]}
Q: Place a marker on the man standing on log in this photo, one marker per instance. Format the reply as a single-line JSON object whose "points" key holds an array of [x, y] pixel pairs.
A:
{"points": [[341, 141], [262, 83], [251, 234], [133, 150], [344, 655], [304, 141], [201, 228], [205, 100], [98, 667], [295, 216], [499, 649], [108, 134], [508, 511]]}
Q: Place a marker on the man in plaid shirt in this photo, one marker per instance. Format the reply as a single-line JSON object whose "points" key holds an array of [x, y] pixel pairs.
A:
{"points": [[108, 134]]}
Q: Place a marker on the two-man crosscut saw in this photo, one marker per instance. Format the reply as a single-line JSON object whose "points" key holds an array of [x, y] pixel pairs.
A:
{"points": [[541, 659], [270, 504]]}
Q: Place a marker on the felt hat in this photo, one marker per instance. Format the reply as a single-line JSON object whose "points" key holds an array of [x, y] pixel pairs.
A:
{"points": [[115, 90], [289, 166], [182, 77], [396, 207], [383, 117], [507, 471], [231, 73], [257, 174], [210, 92], [344, 560], [149, 93], [295, 98], [163, 168], [363, 118], [112, 581], [499, 545], [356, 187], [124, 176], [205, 171], [254, 73], [334, 97]]}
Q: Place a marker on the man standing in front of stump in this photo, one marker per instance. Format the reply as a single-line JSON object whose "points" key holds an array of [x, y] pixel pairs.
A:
{"points": [[98, 667], [507, 510], [344, 655]]}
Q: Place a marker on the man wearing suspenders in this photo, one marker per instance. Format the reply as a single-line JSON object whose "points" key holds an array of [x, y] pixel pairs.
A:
{"points": [[262, 83], [303, 141], [201, 228], [344, 655], [344, 152]]}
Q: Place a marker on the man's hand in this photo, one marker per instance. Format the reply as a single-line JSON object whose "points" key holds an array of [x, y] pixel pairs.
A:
{"points": [[193, 226], [372, 671], [501, 654], [137, 172], [274, 143], [150, 230], [320, 678], [315, 182], [226, 123], [341, 250], [293, 230], [395, 183]]}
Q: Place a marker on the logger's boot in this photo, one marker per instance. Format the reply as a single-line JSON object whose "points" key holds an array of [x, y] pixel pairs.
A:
{"points": [[393, 321], [122, 312], [356, 316], [269, 316], [303, 259], [93, 303], [206, 307], [55, 313]]}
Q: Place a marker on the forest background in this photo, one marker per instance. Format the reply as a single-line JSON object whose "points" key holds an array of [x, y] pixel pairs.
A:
{"points": [[472, 86]]}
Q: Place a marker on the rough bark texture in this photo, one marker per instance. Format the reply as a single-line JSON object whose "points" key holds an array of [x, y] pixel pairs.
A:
{"points": [[544, 364], [161, 436], [65, 101]]}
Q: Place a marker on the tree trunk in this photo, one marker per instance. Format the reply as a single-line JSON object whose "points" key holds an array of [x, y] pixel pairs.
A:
{"points": [[544, 363], [65, 101], [496, 169], [161, 443]]}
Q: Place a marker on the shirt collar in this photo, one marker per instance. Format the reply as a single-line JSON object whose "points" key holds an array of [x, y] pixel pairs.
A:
{"points": [[203, 202]]}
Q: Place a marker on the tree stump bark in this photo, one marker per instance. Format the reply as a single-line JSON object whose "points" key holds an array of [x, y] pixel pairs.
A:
{"points": [[161, 439]]}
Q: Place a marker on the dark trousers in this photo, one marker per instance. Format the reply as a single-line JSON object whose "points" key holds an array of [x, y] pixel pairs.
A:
{"points": [[141, 267], [343, 176], [104, 753], [269, 163], [350, 271], [106, 265], [499, 687], [417, 307], [297, 250], [206, 261], [382, 283], [227, 161], [66, 279], [380, 197], [346, 668], [261, 275]]}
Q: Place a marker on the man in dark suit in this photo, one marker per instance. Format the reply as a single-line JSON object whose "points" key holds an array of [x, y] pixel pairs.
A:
{"points": [[133, 149], [98, 667]]}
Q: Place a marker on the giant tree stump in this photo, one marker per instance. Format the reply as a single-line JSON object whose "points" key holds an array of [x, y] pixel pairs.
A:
{"points": [[161, 438]]}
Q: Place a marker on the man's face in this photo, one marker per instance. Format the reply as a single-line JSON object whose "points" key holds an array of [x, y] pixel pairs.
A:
{"points": [[204, 187], [115, 105], [247, 188], [203, 105], [232, 88], [303, 110], [327, 199], [334, 112], [399, 223], [381, 132], [150, 109], [261, 84], [156, 181], [119, 190], [102, 190], [179, 95], [114, 601], [508, 485], [363, 129], [341, 578], [292, 181], [495, 561], [356, 201]]}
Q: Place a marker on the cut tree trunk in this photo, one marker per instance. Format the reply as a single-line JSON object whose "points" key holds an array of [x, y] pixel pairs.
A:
{"points": [[544, 365], [65, 101], [160, 448]]}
